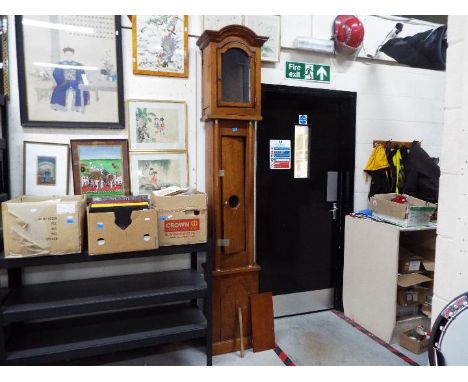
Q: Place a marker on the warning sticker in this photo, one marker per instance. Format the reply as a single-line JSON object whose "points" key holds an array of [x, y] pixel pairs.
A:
{"points": [[182, 225], [280, 154]]}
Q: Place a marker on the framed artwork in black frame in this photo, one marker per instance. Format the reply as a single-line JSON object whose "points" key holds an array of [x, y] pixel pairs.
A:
{"points": [[70, 71]]}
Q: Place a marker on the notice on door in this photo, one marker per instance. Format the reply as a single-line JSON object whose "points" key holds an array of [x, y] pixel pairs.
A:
{"points": [[280, 154], [301, 151]]}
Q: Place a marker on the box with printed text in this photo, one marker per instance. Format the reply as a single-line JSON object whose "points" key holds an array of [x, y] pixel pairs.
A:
{"points": [[182, 218]]}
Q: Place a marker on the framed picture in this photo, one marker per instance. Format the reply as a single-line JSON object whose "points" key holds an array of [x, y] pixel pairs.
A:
{"points": [[153, 171], [100, 167], [46, 168], [216, 22], [160, 45], [269, 26], [157, 125], [4, 76], [70, 71]]}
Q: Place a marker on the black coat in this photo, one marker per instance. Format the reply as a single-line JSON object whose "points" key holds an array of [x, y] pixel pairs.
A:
{"points": [[421, 175]]}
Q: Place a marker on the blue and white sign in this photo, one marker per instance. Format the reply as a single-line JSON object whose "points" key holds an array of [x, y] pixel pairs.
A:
{"points": [[303, 119], [280, 154]]}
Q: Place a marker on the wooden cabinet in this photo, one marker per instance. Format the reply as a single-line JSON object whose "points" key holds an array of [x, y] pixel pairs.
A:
{"points": [[371, 255], [231, 106]]}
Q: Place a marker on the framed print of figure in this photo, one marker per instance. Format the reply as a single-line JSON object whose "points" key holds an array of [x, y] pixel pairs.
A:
{"points": [[157, 125], [46, 168], [70, 71], [153, 171], [216, 22], [160, 45], [100, 167], [269, 26]]}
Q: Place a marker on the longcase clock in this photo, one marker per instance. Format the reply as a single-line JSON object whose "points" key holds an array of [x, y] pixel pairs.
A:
{"points": [[231, 106]]}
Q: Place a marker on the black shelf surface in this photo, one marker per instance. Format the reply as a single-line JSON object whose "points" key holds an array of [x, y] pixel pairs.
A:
{"points": [[32, 302], [54, 341], [84, 257]]}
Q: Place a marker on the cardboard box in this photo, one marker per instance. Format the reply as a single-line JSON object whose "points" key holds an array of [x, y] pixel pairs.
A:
{"points": [[405, 311], [43, 225], [410, 264], [413, 342], [182, 219], [106, 236], [412, 296], [416, 212]]}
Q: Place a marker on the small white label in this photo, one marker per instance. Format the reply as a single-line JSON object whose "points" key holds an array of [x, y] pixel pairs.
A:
{"points": [[414, 265], [65, 208], [412, 296]]}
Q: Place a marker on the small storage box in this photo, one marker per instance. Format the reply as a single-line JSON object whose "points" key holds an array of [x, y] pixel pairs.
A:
{"points": [[416, 212], [414, 342], [106, 236], [43, 225], [182, 219]]}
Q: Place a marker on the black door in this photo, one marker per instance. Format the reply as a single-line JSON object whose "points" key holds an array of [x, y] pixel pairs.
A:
{"points": [[299, 221]]}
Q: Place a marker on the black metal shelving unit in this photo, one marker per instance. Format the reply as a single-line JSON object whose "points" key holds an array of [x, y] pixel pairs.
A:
{"points": [[60, 321]]}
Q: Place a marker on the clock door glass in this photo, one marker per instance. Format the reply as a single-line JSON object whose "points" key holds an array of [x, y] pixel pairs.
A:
{"points": [[235, 76]]}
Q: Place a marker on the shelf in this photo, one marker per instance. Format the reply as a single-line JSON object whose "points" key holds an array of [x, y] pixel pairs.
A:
{"points": [[59, 299], [53, 341], [84, 257]]}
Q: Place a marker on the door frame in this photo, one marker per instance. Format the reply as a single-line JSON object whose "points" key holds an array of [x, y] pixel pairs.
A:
{"points": [[347, 100]]}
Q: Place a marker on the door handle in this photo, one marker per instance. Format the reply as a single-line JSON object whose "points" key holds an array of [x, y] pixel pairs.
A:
{"points": [[334, 211]]}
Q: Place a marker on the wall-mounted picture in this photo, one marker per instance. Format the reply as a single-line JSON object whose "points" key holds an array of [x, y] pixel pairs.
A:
{"points": [[46, 168], [70, 71], [160, 45], [100, 167], [216, 22], [269, 26], [153, 171], [157, 125]]}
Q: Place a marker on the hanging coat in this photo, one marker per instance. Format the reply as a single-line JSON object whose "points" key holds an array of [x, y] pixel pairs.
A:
{"points": [[421, 175], [376, 167]]}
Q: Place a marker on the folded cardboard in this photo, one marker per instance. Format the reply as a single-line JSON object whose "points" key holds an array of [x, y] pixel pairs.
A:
{"points": [[416, 212], [106, 234], [411, 279], [410, 264], [413, 342], [412, 296], [426, 309], [43, 225], [182, 218]]}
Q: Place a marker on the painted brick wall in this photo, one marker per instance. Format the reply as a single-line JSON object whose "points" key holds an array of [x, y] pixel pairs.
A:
{"points": [[393, 102], [451, 278]]}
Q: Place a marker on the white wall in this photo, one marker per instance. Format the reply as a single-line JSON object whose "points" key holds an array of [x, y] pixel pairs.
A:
{"points": [[451, 278], [393, 102]]}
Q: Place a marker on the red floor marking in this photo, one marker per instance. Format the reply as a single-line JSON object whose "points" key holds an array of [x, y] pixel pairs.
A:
{"points": [[376, 339], [283, 357]]}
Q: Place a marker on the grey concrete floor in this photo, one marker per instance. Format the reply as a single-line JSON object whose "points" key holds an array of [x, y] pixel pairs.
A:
{"points": [[309, 340]]}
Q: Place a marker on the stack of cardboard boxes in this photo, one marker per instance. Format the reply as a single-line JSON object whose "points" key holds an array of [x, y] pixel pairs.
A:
{"points": [[56, 225]]}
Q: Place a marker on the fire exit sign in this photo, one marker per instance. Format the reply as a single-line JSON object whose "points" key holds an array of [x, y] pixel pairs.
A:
{"points": [[307, 72]]}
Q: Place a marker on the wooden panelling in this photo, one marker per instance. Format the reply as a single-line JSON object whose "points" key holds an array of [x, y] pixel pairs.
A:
{"points": [[263, 329]]}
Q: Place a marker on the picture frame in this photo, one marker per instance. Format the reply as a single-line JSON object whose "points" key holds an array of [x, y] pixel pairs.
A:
{"points": [[155, 125], [160, 45], [217, 22], [270, 26], [151, 171], [4, 76], [46, 168], [100, 167], [70, 71]]}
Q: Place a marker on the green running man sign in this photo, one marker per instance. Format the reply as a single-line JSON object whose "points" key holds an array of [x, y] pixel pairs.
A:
{"points": [[308, 72]]}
